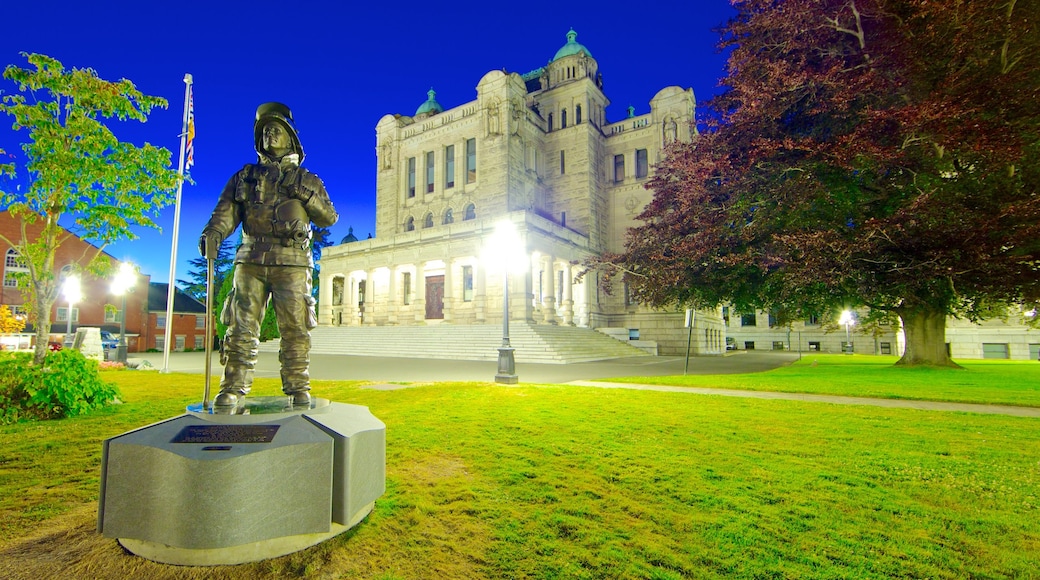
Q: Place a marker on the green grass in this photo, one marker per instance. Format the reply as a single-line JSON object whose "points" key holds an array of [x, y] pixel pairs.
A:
{"points": [[979, 381], [541, 481]]}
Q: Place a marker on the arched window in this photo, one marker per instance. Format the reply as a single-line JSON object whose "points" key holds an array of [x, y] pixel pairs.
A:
{"points": [[13, 264], [428, 221], [550, 121], [577, 114], [563, 119], [449, 216], [409, 224], [471, 213]]}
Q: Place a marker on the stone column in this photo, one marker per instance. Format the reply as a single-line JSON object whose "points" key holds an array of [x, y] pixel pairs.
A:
{"points": [[568, 295], [480, 292], [350, 301], [549, 291], [420, 292], [392, 299], [449, 293], [370, 298]]}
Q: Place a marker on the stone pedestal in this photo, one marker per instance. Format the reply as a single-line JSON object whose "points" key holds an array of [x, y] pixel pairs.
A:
{"points": [[265, 481]]}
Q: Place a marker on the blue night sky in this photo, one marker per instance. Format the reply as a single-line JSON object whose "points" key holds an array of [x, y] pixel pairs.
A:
{"points": [[340, 68]]}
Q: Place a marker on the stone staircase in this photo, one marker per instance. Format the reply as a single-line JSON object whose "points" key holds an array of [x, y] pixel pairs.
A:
{"points": [[534, 343]]}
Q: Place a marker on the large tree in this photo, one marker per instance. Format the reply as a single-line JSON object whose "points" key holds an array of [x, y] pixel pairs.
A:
{"points": [[77, 171], [883, 153]]}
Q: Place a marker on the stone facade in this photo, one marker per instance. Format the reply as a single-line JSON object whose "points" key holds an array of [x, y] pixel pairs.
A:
{"points": [[535, 149], [1012, 338]]}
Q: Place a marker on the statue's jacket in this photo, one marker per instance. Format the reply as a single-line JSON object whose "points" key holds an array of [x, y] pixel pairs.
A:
{"points": [[275, 206]]}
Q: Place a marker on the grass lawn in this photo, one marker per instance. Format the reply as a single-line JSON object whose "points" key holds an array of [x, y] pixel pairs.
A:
{"points": [[541, 481], [980, 381]]}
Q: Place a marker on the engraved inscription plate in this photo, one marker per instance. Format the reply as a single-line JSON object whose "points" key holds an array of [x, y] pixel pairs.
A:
{"points": [[226, 434]]}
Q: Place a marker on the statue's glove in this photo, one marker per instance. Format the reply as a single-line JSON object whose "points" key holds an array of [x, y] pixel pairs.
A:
{"points": [[209, 244]]}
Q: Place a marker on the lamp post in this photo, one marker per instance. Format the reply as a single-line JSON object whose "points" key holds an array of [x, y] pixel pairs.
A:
{"points": [[848, 320], [122, 284], [505, 249], [73, 293]]}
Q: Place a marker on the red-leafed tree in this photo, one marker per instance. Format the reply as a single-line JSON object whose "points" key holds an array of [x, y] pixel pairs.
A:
{"points": [[865, 152]]}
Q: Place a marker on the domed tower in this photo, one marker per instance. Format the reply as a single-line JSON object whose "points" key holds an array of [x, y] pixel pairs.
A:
{"points": [[430, 107], [572, 62]]}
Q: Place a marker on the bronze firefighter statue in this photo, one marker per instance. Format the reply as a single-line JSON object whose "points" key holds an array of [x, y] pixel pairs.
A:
{"points": [[275, 200]]}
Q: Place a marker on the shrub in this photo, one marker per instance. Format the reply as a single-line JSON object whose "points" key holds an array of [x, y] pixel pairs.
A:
{"points": [[67, 385]]}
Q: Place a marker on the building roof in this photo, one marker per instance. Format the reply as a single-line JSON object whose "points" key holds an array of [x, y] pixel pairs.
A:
{"points": [[572, 47], [182, 302], [431, 105]]}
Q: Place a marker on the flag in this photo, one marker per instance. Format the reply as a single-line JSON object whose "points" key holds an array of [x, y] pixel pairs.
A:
{"points": [[190, 145]]}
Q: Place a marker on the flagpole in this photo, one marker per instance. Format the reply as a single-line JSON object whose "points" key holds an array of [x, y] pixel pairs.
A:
{"points": [[171, 289]]}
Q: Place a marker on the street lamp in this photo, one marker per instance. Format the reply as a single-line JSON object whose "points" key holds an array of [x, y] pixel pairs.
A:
{"points": [[122, 285], [847, 320], [73, 293], [505, 249]]}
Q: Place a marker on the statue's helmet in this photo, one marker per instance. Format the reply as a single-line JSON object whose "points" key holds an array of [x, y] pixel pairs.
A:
{"points": [[278, 113]]}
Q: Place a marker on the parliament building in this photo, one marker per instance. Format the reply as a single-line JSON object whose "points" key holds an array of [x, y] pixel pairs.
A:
{"points": [[535, 149]]}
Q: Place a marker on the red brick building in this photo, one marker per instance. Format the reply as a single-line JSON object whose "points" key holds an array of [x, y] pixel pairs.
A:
{"points": [[96, 292], [189, 320]]}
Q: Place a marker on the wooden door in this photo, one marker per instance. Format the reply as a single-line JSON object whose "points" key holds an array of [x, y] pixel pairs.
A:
{"points": [[435, 297]]}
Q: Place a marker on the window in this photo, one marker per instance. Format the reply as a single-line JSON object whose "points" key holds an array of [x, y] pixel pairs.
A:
{"points": [[563, 119], [337, 291], [725, 314], [406, 286], [160, 342], [409, 224], [178, 342], [619, 168], [814, 345], [563, 166], [160, 320], [550, 121], [471, 213], [641, 163], [449, 216], [411, 177], [886, 348], [749, 345], [200, 321], [199, 345], [449, 167], [813, 320], [779, 345], [748, 320], [429, 172], [772, 319], [63, 314], [994, 350], [13, 265], [471, 160], [428, 221], [577, 114], [467, 283], [117, 315], [559, 287]]}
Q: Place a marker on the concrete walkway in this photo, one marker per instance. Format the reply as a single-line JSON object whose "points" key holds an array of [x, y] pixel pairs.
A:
{"points": [[832, 399], [408, 370]]}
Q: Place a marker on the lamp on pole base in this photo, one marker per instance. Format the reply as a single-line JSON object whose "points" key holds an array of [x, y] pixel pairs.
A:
{"points": [[506, 366], [121, 347]]}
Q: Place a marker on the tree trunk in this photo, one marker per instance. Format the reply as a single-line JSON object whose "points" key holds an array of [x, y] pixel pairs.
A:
{"points": [[43, 329], [925, 332]]}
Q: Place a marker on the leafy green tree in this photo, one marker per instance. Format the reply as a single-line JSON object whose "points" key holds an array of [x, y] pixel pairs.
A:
{"points": [[319, 241], [77, 170], [883, 153]]}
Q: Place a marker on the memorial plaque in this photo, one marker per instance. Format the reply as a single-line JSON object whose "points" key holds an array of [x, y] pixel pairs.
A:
{"points": [[209, 434]]}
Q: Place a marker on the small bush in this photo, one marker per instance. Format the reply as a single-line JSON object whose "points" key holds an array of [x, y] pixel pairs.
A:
{"points": [[67, 385], [111, 365]]}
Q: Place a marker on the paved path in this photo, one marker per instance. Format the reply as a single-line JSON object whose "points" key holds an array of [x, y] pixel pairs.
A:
{"points": [[833, 399], [386, 369]]}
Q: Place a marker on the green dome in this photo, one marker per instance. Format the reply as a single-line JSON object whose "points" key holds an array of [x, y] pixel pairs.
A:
{"points": [[431, 105], [572, 47]]}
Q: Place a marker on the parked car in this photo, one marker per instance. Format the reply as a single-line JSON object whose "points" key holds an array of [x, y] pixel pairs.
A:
{"points": [[731, 343], [108, 340]]}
